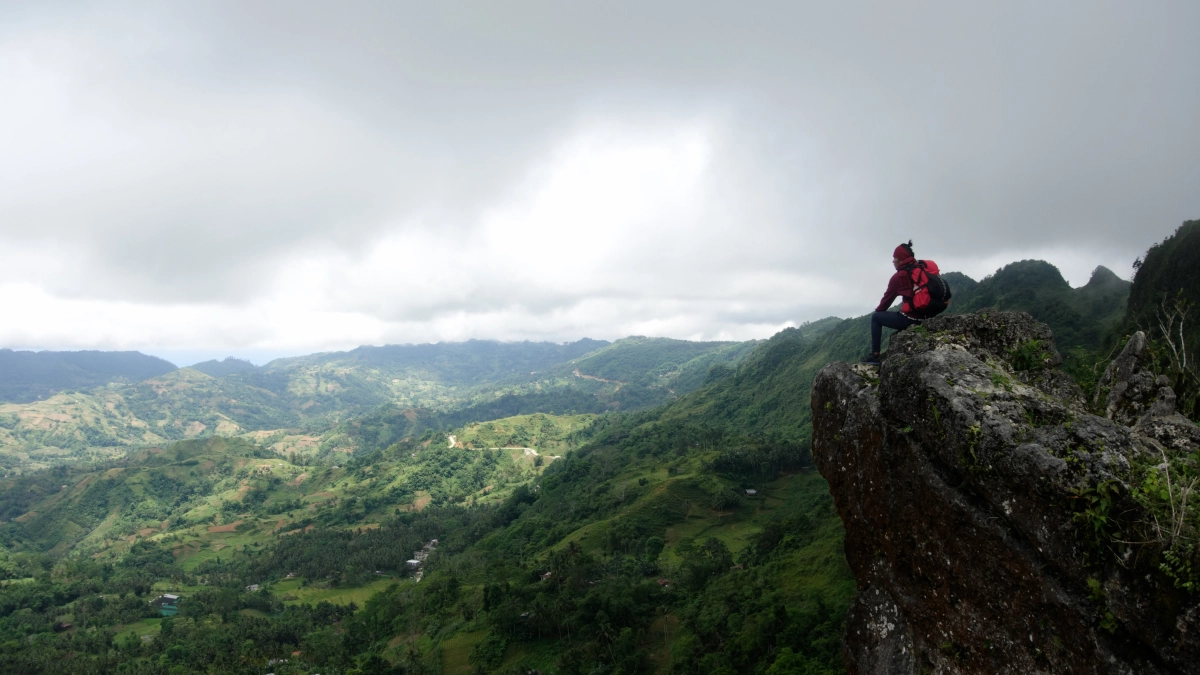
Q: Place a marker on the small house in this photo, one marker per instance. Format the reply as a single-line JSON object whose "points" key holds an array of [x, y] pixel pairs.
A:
{"points": [[168, 604], [412, 564], [750, 492], [252, 588]]}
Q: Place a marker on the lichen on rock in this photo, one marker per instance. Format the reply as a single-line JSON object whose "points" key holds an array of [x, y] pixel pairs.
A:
{"points": [[993, 523]]}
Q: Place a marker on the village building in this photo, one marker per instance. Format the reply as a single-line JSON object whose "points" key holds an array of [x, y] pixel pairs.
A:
{"points": [[167, 604], [419, 558]]}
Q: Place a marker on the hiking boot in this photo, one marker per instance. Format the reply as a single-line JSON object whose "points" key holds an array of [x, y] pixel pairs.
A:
{"points": [[871, 359]]}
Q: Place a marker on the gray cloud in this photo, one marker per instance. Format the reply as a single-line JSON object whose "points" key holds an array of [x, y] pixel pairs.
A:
{"points": [[392, 160]]}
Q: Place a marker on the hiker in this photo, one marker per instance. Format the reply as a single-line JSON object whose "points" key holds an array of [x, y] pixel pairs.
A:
{"points": [[921, 289]]}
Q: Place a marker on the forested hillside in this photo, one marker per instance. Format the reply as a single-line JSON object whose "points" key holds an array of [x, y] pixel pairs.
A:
{"points": [[626, 541], [650, 361], [1169, 271], [228, 366], [1164, 302], [1080, 317]]}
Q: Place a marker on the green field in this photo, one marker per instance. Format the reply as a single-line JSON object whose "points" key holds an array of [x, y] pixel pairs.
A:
{"points": [[139, 628], [293, 592]]}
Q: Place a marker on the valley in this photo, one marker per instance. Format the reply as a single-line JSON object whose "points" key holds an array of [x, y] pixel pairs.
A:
{"points": [[309, 398]]}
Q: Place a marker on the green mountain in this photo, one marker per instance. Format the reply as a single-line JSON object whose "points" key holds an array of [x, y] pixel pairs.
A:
{"points": [[1080, 317], [229, 366], [450, 363], [651, 361], [29, 376]]}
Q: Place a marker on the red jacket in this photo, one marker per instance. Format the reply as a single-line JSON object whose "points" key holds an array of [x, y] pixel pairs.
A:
{"points": [[899, 285]]}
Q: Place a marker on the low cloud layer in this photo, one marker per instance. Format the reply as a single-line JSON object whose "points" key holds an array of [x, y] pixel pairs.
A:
{"points": [[290, 177]]}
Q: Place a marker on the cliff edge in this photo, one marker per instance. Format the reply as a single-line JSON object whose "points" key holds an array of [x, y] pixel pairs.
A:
{"points": [[993, 524]]}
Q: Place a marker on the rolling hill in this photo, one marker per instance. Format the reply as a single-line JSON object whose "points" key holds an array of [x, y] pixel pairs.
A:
{"points": [[418, 386]]}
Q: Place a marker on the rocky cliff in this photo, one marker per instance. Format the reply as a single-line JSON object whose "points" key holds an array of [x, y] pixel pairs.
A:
{"points": [[993, 524]]}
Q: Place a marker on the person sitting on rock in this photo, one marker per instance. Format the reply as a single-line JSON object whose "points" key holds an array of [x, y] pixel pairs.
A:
{"points": [[900, 285]]}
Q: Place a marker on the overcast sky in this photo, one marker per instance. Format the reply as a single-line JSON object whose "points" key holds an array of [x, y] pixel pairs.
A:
{"points": [[264, 178]]}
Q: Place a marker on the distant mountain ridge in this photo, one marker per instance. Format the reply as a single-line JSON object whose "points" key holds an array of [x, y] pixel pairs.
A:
{"points": [[231, 365], [27, 376], [369, 396], [296, 400]]}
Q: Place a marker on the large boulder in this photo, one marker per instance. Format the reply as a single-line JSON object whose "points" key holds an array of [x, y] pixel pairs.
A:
{"points": [[1130, 388], [994, 525]]}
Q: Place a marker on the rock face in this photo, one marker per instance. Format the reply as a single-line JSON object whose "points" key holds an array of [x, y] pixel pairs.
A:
{"points": [[988, 514], [1132, 391]]}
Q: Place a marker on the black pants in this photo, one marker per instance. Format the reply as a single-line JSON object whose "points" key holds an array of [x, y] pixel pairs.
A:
{"points": [[880, 320]]}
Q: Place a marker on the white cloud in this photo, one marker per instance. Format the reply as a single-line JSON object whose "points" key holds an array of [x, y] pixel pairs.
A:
{"points": [[183, 177]]}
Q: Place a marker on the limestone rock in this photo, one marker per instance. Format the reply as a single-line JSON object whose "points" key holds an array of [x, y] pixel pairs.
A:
{"points": [[1132, 389], [959, 470]]}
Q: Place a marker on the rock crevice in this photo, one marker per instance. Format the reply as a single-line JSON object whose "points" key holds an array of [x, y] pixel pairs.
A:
{"points": [[988, 512]]}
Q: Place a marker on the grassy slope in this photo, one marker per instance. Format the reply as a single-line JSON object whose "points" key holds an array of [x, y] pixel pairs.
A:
{"points": [[769, 391], [665, 487], [196, 487]]}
